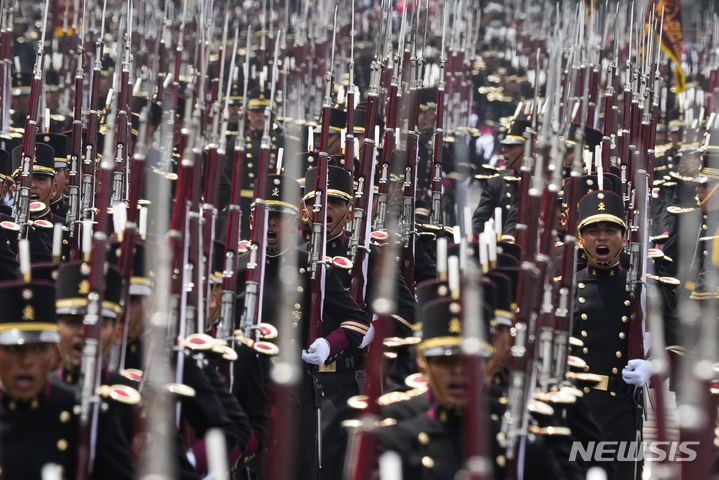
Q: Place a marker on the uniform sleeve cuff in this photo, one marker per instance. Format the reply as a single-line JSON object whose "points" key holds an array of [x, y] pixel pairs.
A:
{"points": [[338, 341]]}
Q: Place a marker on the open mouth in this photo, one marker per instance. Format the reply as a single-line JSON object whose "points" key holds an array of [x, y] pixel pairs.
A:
{"points": [[602, 250], [271, 236], [23, 383]]}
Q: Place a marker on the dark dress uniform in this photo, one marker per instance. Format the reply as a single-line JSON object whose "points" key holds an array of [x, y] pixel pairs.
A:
{"points": [[501, 190], [45, 429], [344, 325], [602, 315]]}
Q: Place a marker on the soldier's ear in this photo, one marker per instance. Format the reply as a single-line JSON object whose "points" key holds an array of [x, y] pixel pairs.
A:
{"points": [[421, 363]]}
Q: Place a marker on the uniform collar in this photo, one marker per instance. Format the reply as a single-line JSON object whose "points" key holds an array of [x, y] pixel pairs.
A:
{"points": [[605, 272], [11, 404]]}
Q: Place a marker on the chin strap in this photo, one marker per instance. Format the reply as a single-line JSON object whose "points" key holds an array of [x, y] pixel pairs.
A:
{"points": [[437, 392]]}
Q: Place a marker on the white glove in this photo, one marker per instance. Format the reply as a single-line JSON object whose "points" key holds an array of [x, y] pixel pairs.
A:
{"points": [[367, 339], [637, 372], [317, 353]]}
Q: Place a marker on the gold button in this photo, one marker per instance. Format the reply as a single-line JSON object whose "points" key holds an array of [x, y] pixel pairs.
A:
{"points": [[586, 389], [427, 462], [622, 335], [615, 370], [509, 195], [581, 285], [585, 350], [423, 438], [501, 461], [300, 289], [297, 306], [582, 299], [250, 164], [625, 319], [583, 316], [248, 154], [584, 333], [627, 303], [704, 227], [62, 444], [508, 206], [64, 416], [705, 253], [619, 354], [251, 175], [613, 394], [302, 270]]}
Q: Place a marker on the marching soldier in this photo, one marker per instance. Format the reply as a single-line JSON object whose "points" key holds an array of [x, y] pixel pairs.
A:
{"points": [[343, 327], [601, 320], [40, 426], [60, 144], [502, 190]]}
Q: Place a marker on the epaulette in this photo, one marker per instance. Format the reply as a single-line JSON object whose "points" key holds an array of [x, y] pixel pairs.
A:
{"points": [[660, 150], [485, 177]]}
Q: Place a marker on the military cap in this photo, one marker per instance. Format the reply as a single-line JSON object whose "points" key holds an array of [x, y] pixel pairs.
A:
{"points": [[21, 83], [676, 126], [5, 167], [140, 278], [44, 163], [710, 157], [441, 327], [601, 206], [218, 262], [45, 271], [359, 116], [155, 113], [515, 134], [59, 143], [73, 286], [338, 121], [282, 194], [589, 183], [339, 183], [503, 308], [427, 98], [52, 80], [27, 315], [511, 249], [592, 137], [431, 289], [258, 99]]}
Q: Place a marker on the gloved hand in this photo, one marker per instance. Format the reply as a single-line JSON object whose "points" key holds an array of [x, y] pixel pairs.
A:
{"points": [[367, 339], [317, 353], [637, 372]]}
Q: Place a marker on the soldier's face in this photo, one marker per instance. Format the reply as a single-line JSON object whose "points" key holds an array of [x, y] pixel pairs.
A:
{"points": [[43, 188], [277, 223], [512, 155], [257, 119], [61, 182], [339, 214], [70, 328], [24, 368], [603, 241], [447, 377]]}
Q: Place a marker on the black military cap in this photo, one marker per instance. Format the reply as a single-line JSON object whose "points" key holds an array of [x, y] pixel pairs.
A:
{"points": [[441, 327], [589, 183], [431, 289], [258, 99], [27, 315], [710, 157], [21, 83], [44, 163], [141, 278], [601, 206], [359, 116], [338, 120], [218, 262], [339, 183], [73, 286], [427, 98], [52, 80], [59, 143], [282, 194], [5, 167], [503, 308], [676, 126], [155, 114], [45, 271], [511, 249], [515, 135], [592, 137]]}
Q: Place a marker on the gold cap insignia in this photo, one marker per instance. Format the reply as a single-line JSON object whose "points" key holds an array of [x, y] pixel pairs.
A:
{"points": [[28, 313]]}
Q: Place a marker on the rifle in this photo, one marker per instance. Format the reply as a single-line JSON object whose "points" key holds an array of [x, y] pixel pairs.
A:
{"points": [[349, 137], [407, 226], [437, 140], [90, 373], [229, 274], [21, 207], [359, 242], [318, 239], [254, 283], [122, 139], [73, 212], [7, 13]]}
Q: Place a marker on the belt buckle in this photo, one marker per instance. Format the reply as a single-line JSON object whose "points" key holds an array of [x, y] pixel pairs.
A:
{"points": [[332, 367], [603, 384]]}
